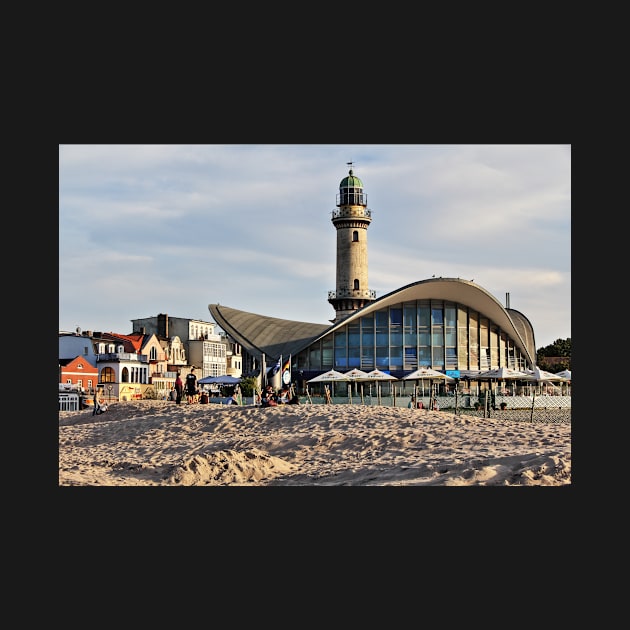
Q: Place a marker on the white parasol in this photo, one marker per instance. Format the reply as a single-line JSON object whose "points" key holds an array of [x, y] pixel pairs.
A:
{"points": [[427, 373], [332, 376], [328, 377], [502, 374], [542, 376], [378, 376], [566, 374], [356, 375]]}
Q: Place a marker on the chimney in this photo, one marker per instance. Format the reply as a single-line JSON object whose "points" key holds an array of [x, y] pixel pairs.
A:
{"points": [[507, 300], [162, 326]]}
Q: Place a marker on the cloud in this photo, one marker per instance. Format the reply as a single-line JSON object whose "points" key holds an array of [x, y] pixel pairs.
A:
{"points": [[172, 228]]}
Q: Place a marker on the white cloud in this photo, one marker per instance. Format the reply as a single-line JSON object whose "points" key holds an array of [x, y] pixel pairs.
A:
{"points": [[172, 228]]}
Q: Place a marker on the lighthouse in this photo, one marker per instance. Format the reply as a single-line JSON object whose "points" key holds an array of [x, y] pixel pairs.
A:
{"points": [[351, 219]]}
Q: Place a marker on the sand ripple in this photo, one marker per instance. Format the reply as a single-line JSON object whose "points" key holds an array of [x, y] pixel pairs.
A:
{"points": [[160, 443]]}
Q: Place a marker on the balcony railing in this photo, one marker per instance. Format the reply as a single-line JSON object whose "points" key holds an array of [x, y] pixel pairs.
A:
{"points": [[351, 293], [341, 213], [123, 356]]}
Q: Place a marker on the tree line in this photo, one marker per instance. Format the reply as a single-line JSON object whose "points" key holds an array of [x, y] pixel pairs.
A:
{"points": [[555, 357]]}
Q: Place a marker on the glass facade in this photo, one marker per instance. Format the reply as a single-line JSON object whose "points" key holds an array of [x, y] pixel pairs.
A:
{"points": [[404, 337]]}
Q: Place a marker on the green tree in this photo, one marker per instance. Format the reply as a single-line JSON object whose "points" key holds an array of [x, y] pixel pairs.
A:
{"points": [[559, 351], [247, 385]]}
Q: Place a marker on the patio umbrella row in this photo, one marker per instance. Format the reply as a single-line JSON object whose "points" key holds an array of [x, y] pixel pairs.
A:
{"points": [[352, 376], [500, 374]]}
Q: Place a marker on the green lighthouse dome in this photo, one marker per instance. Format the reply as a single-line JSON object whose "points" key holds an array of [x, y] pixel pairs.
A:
{"points": [[351, 181]]}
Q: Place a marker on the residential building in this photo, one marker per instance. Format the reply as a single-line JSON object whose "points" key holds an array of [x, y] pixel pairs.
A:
{"points": [[78, 373], [211, 353]]}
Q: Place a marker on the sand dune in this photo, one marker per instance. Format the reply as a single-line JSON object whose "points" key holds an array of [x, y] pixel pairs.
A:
{"points": [[158, 443]]}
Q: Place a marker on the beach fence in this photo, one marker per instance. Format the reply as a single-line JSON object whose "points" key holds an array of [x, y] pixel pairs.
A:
{"points": [[540, 408], [69, 401], [532, 408]]}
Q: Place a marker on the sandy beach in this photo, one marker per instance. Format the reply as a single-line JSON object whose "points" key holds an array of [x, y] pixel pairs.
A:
{"points": [[158, 443]]}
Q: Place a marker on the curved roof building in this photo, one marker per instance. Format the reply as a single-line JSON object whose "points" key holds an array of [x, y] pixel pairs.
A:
{"points": [[441, 323]]}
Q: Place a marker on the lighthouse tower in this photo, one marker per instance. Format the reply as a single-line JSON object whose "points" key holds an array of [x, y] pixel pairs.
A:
{"points": [[351, 219]]}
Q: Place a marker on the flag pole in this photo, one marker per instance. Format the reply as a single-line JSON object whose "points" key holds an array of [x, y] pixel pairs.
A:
{"points": [[263, 372], [286, 381]]}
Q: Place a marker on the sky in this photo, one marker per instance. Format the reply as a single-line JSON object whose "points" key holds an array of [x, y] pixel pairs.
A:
{"points": [[152, 228]]}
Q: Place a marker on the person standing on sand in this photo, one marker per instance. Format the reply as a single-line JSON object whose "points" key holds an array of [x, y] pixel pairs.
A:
{"points": [[179, 388], [191, 386], [97, 394], [99, 404]]}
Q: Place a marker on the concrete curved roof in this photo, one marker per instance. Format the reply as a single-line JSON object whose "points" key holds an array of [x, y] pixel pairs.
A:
{"points": [[526, 330], [259, 333], [275, 337]]}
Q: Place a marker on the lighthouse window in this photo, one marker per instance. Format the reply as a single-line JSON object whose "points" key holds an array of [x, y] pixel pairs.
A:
{"points": [[356, 285], [355, 236], [352, 196]]}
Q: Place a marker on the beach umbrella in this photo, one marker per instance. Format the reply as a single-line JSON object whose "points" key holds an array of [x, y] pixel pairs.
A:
{"points": [[542, 376], [356, 375], [566, 374], [329, 377], [226, 379], [502, 374], [427, 373], [332, 376], [469, 375], [379, 376]]}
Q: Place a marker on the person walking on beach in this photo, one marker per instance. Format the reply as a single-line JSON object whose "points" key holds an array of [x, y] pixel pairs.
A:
{"points": [[179, 389], [191, 386]]}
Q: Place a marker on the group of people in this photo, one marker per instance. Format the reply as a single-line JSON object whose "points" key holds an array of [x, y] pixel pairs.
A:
{"points": [[269, 398], [190, 388], [193, 395], [235, 397], [418, 404]]}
